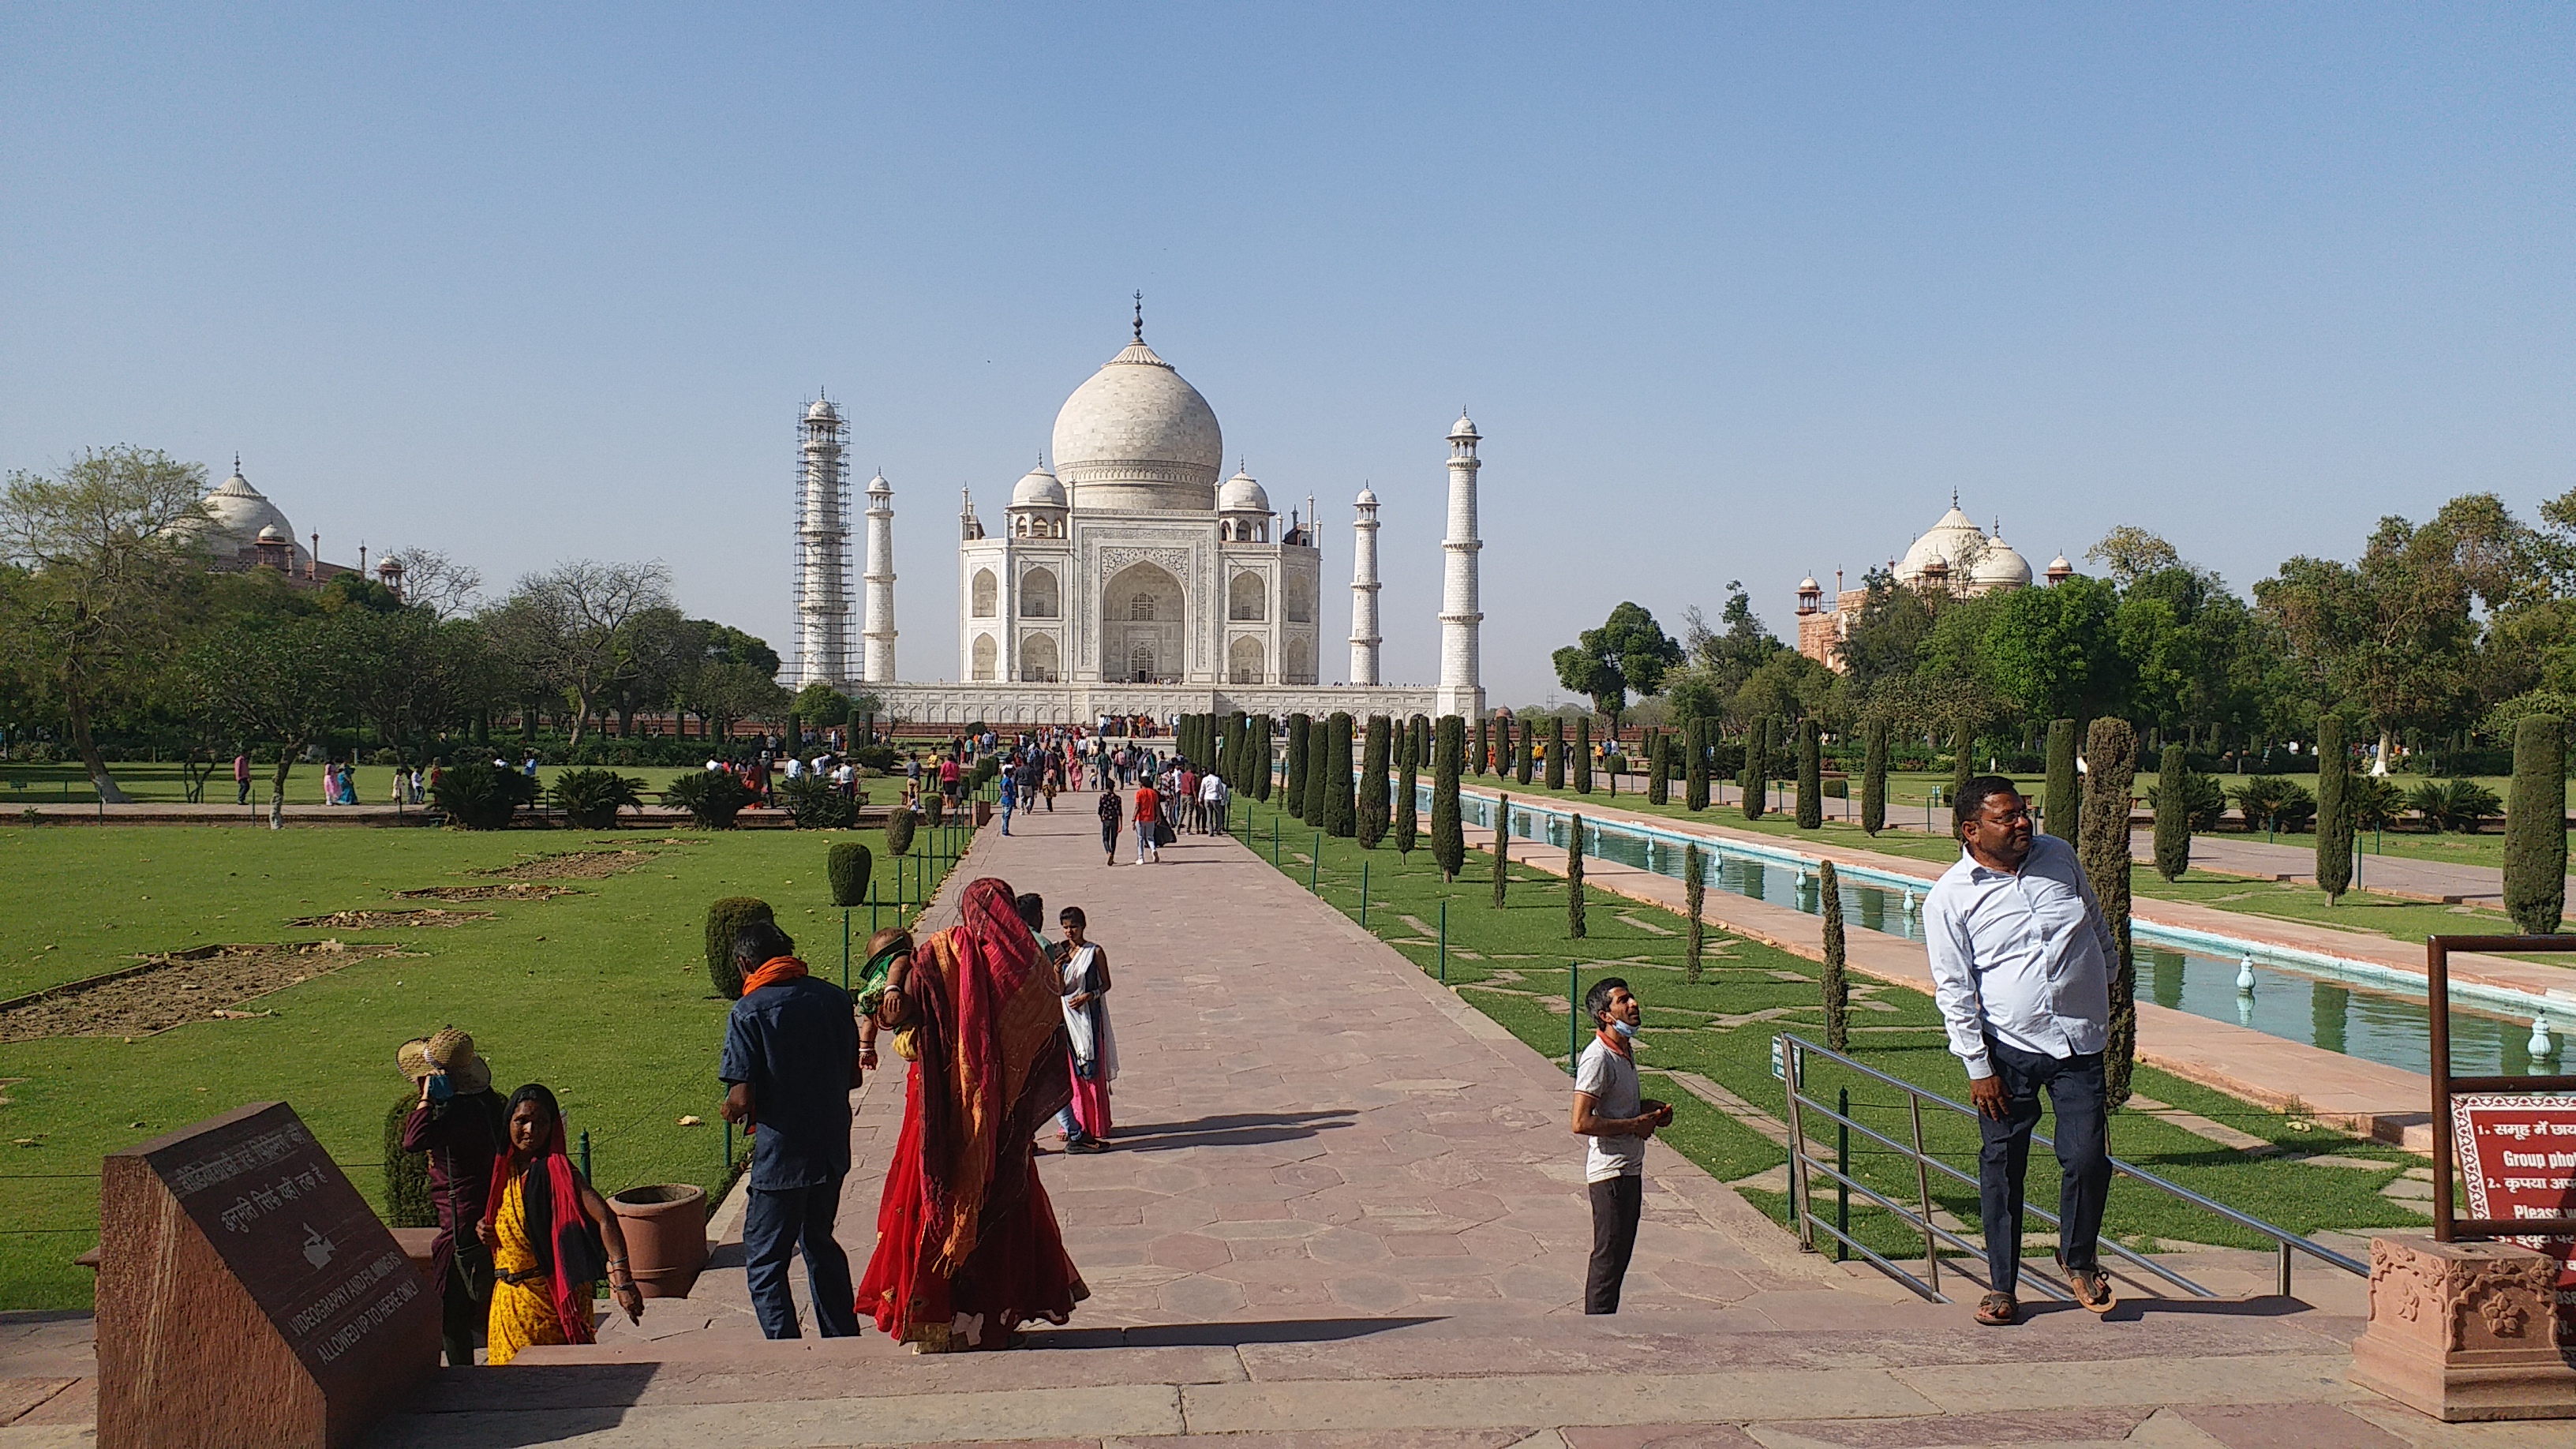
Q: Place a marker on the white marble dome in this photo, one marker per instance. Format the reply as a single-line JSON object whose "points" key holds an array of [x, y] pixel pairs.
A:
{"points": [[1138, 437], [1037, 488], [236, 515], [2000, 567], [1943, 543], [1242, 495], [821, 411]]}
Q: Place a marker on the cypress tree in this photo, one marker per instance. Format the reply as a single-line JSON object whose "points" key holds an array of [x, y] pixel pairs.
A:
{"points": [[1829, 904], [1408, 813], [2535, 831], [1695, 769], [1525, 762], [1484, 741], [2334, 811], [853, 726], [1297, 737], [1502, 849], [795, 730], [1757, 768], [1873, 779], [1372, 812], [1963, 757], [1556, 752], [1574, 880], [1448, 835], [1341, 798], [1659, 790], [2111, 752], [1502, 746], [1583, 756], [2173, 813], [1258, 727], [2065, 808], [1319, 774], [1694, 893], [1811, 776]]}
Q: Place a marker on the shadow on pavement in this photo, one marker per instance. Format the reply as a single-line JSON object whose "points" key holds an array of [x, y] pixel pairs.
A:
{"points": [[1242, 1129], [1222, 1335]]}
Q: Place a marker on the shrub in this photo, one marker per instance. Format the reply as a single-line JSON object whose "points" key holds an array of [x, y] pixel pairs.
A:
{"points": [[1408, 812], [2375, 801], [899, 829], [2111, 750], [1259, 730], [1583, 756], [385, 757], [2204, 803], [1694, 895], [591, 799], [2171, 796], [2274, 802], [1695, 768], [1370, 813], [477, 796], [1340, 799], [1504, 762], [725, 920], [2064, 810], [1659, 788], [1811, 780], [1484, 747], [1525, 757], [2334, 810], [712, 797], [1837, 986], [2535, 831], [1319, 774], [1556, 753], [1502, 850], [1298, 734], [848, 865], [818, 804], [1873, 780], [2454, 805], [934, 809], [1757, 769], [407, 1200], [1574, 879], [1448, 834]]}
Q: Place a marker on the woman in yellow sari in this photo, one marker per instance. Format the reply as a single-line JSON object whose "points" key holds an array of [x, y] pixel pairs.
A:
{"points": [[550, 1234]]}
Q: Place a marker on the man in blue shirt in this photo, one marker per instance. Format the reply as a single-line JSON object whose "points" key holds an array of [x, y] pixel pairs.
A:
{"points": [[2021, 970], [791, 1058]]}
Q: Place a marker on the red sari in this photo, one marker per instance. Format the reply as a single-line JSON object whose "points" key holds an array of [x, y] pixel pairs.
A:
{"points": [[967, 1245]]}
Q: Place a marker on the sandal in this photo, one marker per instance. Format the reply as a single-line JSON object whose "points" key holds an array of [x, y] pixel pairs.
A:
{"points": [[2091, 1286], [1998, 1310]]}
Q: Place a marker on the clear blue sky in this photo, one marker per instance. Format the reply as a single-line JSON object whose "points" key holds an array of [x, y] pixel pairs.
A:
{"points": [[1732, 293]]}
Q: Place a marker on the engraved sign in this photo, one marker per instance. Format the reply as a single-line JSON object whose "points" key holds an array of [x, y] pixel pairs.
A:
{"points": [[247, 1294], [2518, 1156]]}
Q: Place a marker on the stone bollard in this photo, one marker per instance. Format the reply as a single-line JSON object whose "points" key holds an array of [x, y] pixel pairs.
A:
{"points": [[2464, 1331]]}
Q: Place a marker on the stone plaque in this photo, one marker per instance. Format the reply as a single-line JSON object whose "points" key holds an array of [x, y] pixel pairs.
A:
{"points": [[2518, 1159], [247, 1294]]}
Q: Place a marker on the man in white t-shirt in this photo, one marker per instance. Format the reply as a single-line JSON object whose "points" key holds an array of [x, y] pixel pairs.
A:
{"points": [[1609, 1112]]}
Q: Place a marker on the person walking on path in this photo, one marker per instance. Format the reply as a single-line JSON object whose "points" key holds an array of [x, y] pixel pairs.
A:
{"points": [[1093, 1052], [551, 1236], [1616, 1121], [459, 1126], [1006, 789], [241, 777], [1149, 823], [791, 1056], [2021, 970], [1111, 814], [1212, 802]]}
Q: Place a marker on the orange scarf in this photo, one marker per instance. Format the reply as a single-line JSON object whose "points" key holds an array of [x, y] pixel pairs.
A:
{"points": [[772, 972]]}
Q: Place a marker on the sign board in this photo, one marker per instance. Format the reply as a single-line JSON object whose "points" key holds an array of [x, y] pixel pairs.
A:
{"points": [[247, 1293], [2518, 1155]]}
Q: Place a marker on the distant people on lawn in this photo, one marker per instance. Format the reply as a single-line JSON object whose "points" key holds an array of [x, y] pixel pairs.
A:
{"points": [[1609, 1111], [459, 1124], [2021, 971], [551, 1236], [791, 1057], [967, 1244]]}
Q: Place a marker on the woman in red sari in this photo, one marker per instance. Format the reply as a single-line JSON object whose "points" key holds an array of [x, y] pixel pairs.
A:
{"points": [[967, 1245]]}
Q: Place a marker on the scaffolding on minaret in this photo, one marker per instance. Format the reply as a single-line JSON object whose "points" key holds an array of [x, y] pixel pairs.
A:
{"points": [[823, 611]]}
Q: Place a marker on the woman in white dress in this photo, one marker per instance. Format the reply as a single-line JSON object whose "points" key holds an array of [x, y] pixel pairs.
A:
{"points": [[1085, 965]]}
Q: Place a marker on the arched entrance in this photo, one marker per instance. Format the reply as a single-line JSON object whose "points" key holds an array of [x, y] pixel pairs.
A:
{"points": [[1144, 625]]}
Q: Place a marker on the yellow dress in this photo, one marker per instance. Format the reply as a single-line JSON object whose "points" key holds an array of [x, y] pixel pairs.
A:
{"points": [[523, 1314]]}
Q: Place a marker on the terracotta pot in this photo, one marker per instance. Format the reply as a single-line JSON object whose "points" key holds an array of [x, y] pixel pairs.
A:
{"points": [[666, 1236]]}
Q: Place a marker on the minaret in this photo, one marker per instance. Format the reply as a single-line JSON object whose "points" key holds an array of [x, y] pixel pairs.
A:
{"points": [[878, 665], [1460, 691], [1364, 636], [822, 551]]}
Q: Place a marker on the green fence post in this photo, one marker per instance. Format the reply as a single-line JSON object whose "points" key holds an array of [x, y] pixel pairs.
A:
{"points": [[1573, 1014], [1444, 943], [845, 948], [585, 1154], [1842, 1165], [728, 1146], [1364, 894], [1315, 867]]}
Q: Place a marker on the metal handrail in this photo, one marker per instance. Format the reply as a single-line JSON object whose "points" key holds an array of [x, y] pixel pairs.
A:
{"points": [[1793, 1052]]}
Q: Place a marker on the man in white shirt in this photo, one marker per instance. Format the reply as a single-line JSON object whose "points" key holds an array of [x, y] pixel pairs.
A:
{"points": [[1617, 1121], [1212, 793], [2021, 970]]}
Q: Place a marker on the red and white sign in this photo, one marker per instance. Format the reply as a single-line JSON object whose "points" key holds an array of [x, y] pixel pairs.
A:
{"points": [[2518, 1154]]}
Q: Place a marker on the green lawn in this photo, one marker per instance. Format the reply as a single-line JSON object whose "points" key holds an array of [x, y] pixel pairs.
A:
{"points": [[1514, 964], [603, 995]]}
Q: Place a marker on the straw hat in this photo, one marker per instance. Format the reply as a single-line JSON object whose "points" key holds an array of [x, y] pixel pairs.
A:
{"points": [[450, 1051]]}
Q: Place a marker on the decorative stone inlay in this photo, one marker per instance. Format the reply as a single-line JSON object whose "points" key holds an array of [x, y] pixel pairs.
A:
{"points": [[2464, 1331]]}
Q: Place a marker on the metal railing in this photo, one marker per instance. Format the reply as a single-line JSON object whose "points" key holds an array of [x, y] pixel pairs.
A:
{"points": [[1805, 1167]]}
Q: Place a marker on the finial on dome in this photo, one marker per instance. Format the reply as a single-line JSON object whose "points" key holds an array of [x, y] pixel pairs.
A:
{"points": [[1140, 316], [237, 461], [1954, 497]]}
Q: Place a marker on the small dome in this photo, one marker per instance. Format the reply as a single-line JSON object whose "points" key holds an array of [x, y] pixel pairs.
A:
{"points": [[1037, 488], [271, 535], [1465, 430], [1943, 543], [878, 484], [1808, 585], [1241, 495], [821, 411], [235, 518], [1368, 496], [2000, 567]]}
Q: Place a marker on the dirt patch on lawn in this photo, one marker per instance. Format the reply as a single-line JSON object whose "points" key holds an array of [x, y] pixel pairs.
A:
{"points": [[430, 916], [517, 890], [573, 865], [173, 990]]}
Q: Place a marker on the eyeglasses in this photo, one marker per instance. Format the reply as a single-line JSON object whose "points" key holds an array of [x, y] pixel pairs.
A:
{"points": [[2019, 816]]}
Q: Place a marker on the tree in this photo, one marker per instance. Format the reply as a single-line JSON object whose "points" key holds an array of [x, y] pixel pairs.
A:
{"points": [[1695, 769], [573, 626], [1299, 732], [1873, 780], [1574, 879], [2110, 757], [276, 679], [2064, 812], [1630, 651], [2056, 651], [820, 705], [1372, 805], [1722, 659], [1659, 790], [1448, 833], [2173, 813], [1583, 756], [1963, 756], [1258, 756], [1556, 752], [1503, 745], [2334, 810], [1480, 760], [2131, 553], [1694, 895], [108, 545], [1525, 764], [1502, 849], [1407, 810], [1811, 782], [1320, 772], [433, 581], [1756, 781], [2535, 832], [1837, 986]]}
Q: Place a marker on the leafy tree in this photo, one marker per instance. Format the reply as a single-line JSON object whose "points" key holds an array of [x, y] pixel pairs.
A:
{"points": [[2110, 754], [2056, 651], [2131, 553], [2334, 810], [1836, 984], [2064, 811], [2535, 831], [1574, 879], [2173, 813], [1448, 833], [1630, 651], [1723, 659], [1811, 783], [277, 679], [106, 549], [1873, 784], [1372, 805], [574, 627], [819, 704]]}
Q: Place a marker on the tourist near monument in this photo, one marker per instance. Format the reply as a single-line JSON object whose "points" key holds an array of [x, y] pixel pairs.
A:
{"points": [[1615, 1122]]}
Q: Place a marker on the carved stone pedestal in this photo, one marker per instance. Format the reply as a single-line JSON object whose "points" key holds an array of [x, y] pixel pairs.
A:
{"points": [[2464, 1331]]}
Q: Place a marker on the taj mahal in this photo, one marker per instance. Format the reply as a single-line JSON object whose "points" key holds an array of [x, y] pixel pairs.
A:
{"points": [[1125, 578]]}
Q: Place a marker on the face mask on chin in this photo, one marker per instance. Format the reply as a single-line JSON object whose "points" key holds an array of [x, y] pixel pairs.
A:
{"points": [[1624, 1029]]}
